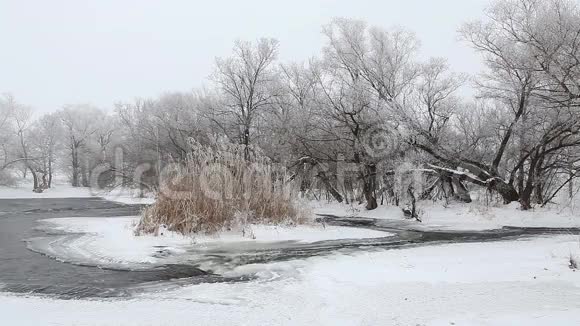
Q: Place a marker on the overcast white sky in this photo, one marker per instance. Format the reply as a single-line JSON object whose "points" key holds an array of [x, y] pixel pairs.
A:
{"points": [[68, 51]]}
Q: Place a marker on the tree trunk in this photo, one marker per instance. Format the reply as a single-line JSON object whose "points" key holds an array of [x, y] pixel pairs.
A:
{"points": [[75, 166], [331, 189], [572, 174], [447, 187], [520, 179], [246, 141], [526, 199], [49, 170], [571, 187], [84, 174], [539, 193], [526, 194], [369, 186], [35, 186], [539, 180], [461, 193], [44, 181], [506, 191]]}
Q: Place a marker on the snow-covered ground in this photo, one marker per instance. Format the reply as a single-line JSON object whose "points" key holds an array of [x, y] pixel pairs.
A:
{"points": [[458, 216], [111, 242], [57, 191], [455, 216], [62, 189], [525, 282]]}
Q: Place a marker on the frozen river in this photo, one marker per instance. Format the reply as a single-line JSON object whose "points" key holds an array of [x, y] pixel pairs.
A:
{"points": [[27, 271]]}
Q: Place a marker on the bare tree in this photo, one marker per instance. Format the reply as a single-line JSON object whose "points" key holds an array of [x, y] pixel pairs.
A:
{"points": [[23, 123], [79, 126], [6, 133], [531, 124], [246, 82], [363, 71], [47, 140]]}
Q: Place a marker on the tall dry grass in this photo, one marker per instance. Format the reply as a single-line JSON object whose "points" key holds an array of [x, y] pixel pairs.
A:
{"points": [[222, 187]]}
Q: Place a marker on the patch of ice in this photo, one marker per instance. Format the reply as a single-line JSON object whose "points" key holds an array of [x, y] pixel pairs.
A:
{"points": [[111, 242]]}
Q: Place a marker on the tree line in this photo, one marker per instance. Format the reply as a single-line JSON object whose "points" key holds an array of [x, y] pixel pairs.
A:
{"points": [[366, 101]]}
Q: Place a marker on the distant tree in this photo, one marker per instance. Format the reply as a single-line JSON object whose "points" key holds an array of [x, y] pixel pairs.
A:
{"points": [[79, 126], [246, 83], [6, 129], [47, 142], [23, 123]]}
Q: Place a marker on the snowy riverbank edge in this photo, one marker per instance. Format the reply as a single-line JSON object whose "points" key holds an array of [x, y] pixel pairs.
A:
{"points": [[435, 215], [462, 217], [112, 243]]}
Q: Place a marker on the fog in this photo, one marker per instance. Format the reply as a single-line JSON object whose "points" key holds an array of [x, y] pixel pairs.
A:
{"points": [[100, 52]]}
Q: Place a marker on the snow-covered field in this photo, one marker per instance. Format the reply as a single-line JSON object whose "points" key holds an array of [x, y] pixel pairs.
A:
{"points": [[526, 282]]}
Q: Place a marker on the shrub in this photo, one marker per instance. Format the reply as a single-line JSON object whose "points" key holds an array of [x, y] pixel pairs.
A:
{"points": [[222, 187]]}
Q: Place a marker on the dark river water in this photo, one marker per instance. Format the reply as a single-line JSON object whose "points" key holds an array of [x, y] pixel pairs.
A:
{"points": [[22, 270], [25, 271]]}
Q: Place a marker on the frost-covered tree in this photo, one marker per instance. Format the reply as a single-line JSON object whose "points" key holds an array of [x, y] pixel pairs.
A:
{"points": [[346, 120], [362, 73], [47, 144], [6, 130], [528, 124], [79, 124], [155, 132], [247, 86]]}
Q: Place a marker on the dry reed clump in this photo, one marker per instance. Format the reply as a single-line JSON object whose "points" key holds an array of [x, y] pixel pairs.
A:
{"points": [[219, 188]]}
